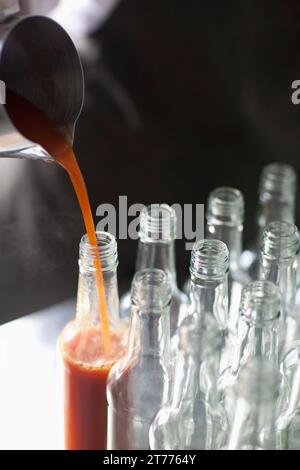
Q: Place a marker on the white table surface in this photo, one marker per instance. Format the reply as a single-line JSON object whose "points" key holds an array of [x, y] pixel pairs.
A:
{"points": [[30, 380]]}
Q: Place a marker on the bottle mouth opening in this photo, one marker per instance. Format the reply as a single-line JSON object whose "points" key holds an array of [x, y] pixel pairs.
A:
{"points": [[278, 181], [260, 303], [227, 204], [158, 223], [151, 290], [209, 259], [106, 249], [280, 240]]}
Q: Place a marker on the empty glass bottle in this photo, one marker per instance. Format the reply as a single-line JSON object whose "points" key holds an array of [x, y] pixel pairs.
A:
{"points": [[185, 421], [253, 423], [225, 217], [257, 334], [193, 419], [277, 193], [278, 263], [138, 384], [156, 250]]}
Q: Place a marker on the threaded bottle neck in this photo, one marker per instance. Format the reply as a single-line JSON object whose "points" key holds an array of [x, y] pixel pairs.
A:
{"points": [[88, 298], [278, 182], [260, 303], [225, 206], [280, 241], [106, 249], [209, 260], [157, 223], [150, 321], [151, 290]]}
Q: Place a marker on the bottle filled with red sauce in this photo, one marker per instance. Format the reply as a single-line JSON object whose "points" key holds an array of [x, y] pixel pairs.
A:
{"points": [[86, 362]]}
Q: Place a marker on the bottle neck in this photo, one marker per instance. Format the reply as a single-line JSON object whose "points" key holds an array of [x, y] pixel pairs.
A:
{"points": [[225, 215], [255, 340], [257, 334], [277, 191], [209, 283], [209, 299], [271, 210], [88, 308], [231, 235], [278, 261], [150, 315], [284, 275], [150, 334], [157, 255]]}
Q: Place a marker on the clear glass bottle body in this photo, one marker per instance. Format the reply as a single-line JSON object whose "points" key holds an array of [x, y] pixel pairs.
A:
{"points": [[257, 336], [186, 421], [277, 193], [278, 264], [253, 422], [86, 362], [139, 383], [192, 419], [156, 250]]}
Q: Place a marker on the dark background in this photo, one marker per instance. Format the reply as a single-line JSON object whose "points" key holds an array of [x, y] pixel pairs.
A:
{"points": [[184, 97]]}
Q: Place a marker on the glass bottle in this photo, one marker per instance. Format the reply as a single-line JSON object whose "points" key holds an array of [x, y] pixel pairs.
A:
{"points": [[156, 250], [208, 302], [288, 422], [278, 263], [257, 335], [253, 423], [186, 422], [225, 217], [86, 364], [138, 384], [277, 193], [208, 310], [209, 287]]}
